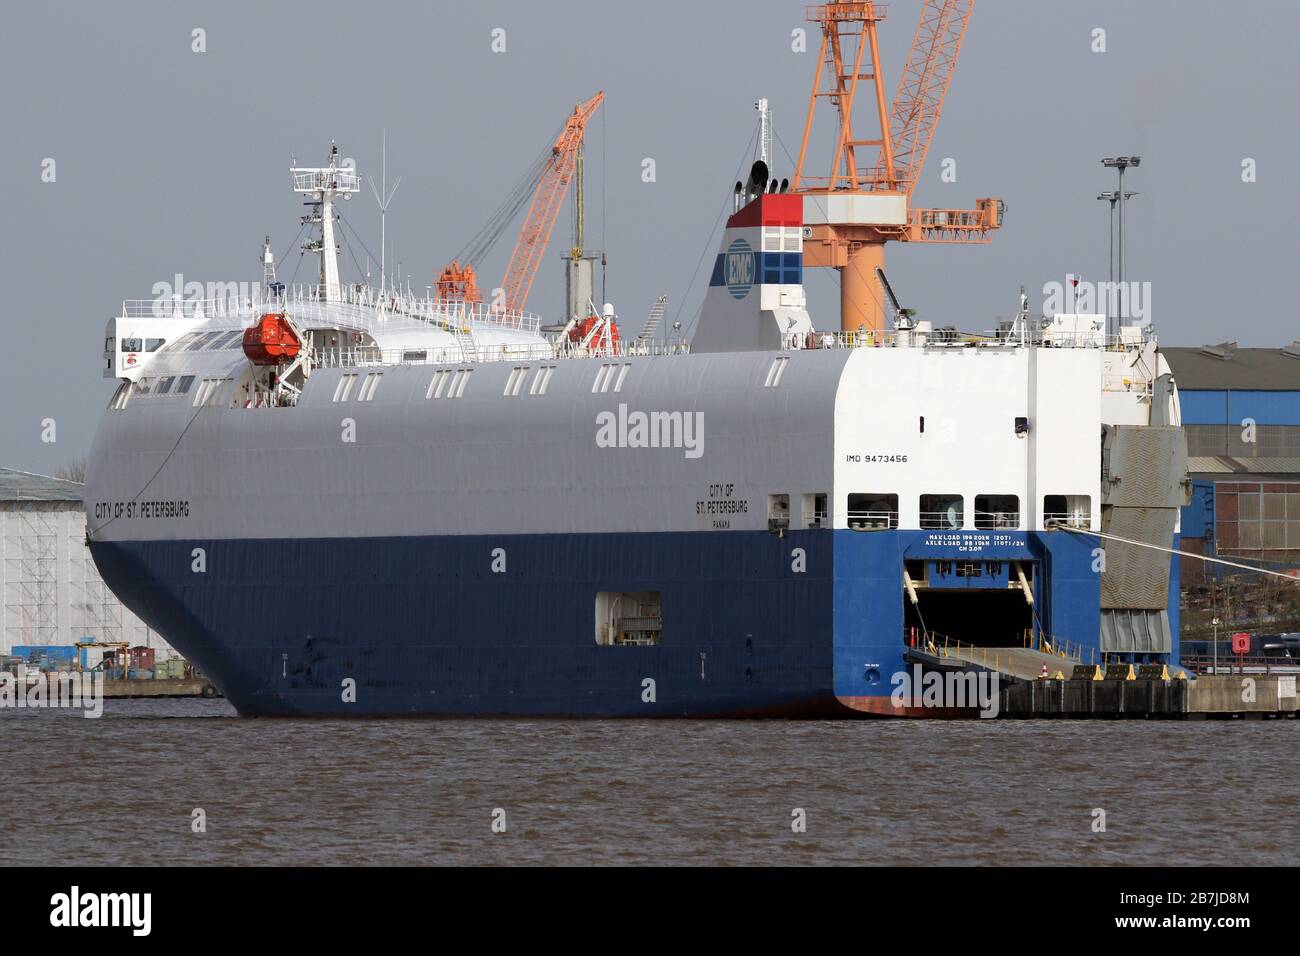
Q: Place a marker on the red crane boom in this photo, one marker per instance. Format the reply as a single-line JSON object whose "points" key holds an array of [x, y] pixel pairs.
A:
{"points": [[925, 79], [545, 207]]}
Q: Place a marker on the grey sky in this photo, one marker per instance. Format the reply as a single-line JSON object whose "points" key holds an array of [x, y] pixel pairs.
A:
{"points": [[171, 162]]}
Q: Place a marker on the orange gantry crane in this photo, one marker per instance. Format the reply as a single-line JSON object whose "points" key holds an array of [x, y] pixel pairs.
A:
{"points": [[851, 214], [459, 282]]}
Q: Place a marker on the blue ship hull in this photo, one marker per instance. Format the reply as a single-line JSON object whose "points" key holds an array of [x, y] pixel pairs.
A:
{"points": [[424, 625]]}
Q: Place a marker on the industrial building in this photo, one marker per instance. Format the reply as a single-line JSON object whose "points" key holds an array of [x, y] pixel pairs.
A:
{"points": [[52, 592], [1241, 413]]}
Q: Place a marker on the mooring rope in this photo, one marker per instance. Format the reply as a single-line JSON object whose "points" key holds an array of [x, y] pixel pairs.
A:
{"points": [[1187, 554]]}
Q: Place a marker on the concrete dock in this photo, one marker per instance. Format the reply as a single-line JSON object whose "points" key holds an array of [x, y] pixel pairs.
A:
{"points": [[159, 688], [1211, 696]]}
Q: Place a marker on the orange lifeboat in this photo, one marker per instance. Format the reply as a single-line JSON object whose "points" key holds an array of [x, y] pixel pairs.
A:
{"points": [[579, 333], [271, 340]]}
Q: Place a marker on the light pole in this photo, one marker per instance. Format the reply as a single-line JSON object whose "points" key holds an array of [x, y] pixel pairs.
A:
{"points": [[1121, 163], [1215, 669], [1112, 197]]}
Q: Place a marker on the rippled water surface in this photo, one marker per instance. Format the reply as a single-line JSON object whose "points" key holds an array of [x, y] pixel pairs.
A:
{"points": [[122, 789]]}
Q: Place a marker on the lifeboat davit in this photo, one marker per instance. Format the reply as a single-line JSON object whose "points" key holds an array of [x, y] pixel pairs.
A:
{"points": [[271, 340], [588, 329]]}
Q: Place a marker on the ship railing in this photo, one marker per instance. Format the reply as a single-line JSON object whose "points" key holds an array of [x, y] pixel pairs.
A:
{"points": [[1057, 646], [944, 646], [310, 180], [952, 338], [873, 520], [354, 357], [361, 306], [815, 519], [1121, 383], [997, 520], [458, 355], [941, 521], [380, 309], [1067, 519], [1240, 664], [176, 307]]}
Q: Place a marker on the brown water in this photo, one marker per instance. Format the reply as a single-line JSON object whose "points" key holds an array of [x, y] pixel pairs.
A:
{"points": [[122, 789]]}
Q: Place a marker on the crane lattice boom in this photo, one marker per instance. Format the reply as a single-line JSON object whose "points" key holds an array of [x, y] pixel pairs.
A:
{"points": [[866, 201], [924, 83], [545, 207]]}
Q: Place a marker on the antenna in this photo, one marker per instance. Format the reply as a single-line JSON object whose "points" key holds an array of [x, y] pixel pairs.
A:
{"points": [[268, 264], [382, 198], [323, 184], [764, 131]]}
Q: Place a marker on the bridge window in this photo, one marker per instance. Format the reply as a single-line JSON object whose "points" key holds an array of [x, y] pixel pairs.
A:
{"points": [[210, 390], [184, 384], [164, 385], [177, 345], [942, 512], [997, 511], [120, 397], [871, 511], [131, 345], [153, 345], [222, 340]]}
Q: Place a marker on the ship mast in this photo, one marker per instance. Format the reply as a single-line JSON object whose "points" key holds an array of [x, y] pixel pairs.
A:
{"points": [[323, 183]]}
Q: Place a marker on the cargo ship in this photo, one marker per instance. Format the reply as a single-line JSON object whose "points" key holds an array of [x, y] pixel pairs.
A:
{"points": [[338, 499]]}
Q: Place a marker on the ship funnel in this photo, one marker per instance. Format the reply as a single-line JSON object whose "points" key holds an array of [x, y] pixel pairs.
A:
{"points": [[755, 300]]}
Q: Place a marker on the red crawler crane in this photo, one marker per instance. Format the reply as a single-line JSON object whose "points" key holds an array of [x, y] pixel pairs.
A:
{"points": [[460, 283]]}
